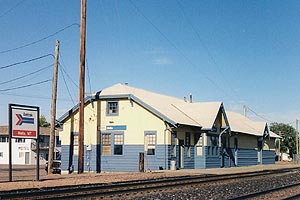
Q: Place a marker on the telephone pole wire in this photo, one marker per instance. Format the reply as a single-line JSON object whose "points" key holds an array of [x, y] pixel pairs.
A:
{"points": [[53, 110], [81, 88]]}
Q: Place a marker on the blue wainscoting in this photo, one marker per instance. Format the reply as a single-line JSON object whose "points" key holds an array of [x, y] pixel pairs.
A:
{"points": [[65, 151], [127, 162], [189, 162], [268, 157], [247, 157]]}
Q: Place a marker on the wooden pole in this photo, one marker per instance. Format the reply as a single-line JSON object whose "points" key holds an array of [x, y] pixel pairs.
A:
{"points": [[297, 140], [279, 157], [81, 88], [53, 110], [245, 110], [9, 144]]}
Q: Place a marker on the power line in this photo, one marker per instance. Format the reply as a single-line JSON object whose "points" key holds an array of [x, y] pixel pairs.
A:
{"points": [[64, 66], [31, 96], [12, 8], [205, 46], [25, 86], [177, 49], [42, 39], [258, 115], [26, 61], [66, 85], [29, 74], [184, 56], [88, 74]]}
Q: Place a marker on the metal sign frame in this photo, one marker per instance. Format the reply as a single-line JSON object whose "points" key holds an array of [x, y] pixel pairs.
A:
{"points": [[24, 123]]}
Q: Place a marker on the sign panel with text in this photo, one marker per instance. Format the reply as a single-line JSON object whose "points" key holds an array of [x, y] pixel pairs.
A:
{"points": [[24, 122]]}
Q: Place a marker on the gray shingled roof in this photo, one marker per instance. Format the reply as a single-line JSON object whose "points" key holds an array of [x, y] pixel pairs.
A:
{"points": [[240, 123], [174, 109]]}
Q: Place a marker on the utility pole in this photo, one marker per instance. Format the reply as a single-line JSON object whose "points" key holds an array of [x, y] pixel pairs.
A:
{"points": [[279, 157], [81, 88], [297, 146], [53, 110], [245, 110]]}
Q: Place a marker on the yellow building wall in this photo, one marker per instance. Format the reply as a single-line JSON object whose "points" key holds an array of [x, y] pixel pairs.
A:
{"points": [[90, 126], [245, 141], [137, 121], [269, 144]]}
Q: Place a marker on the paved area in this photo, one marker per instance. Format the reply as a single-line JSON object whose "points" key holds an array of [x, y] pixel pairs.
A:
{"points": [[25, 176]]}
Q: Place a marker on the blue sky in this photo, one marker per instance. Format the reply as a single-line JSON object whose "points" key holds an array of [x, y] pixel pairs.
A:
{"points": [[238, 52]]}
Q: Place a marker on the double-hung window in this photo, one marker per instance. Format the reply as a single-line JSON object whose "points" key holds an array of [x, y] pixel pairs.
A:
{"points": [[112, 108], [150, 143], [75, 138], [106, 144], [112, 144], [118, 144]]}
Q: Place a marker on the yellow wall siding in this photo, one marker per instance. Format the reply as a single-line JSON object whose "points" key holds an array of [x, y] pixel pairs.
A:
{"points": [[186, 129], [90, 126], [137, 121], [246, 141], [269, 144]]}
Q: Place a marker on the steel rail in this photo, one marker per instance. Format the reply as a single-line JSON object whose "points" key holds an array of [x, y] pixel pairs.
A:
{"points": [[85, 190], [296, 196], [260, 193]]}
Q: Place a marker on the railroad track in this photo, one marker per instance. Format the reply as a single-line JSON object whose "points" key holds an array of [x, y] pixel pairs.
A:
{"points": [[104, 190], [269, 193]]}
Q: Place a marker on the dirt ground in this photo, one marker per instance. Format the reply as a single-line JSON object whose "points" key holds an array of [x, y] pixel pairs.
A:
{"points": [[25, 176]]}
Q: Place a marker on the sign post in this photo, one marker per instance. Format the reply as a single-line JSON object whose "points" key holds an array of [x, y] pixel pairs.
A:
{"points": [[24, 123]]}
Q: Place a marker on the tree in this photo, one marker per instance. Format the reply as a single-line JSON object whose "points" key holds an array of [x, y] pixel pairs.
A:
{"points": [[43, 121], [288, 133]]}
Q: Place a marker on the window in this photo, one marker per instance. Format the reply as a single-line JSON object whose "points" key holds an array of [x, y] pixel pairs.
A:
{"points": [[118, 144], [1, 154], [20, 140], [188, 144], [198, 139], [112, 108], [112, 144], [3, 139], [150, 141], [106, 144], [75, 138], [21, 154]]}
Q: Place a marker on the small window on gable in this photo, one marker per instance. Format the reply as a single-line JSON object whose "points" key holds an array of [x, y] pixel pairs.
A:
{"points": [[1, 154], [112, 108]]}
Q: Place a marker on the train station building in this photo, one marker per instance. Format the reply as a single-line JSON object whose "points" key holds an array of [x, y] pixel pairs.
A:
{"points": [[122, 123]]}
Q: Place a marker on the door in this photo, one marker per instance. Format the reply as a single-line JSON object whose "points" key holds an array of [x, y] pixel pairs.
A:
{"points": [[223, 151], [27, 158], [181, 153]]}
